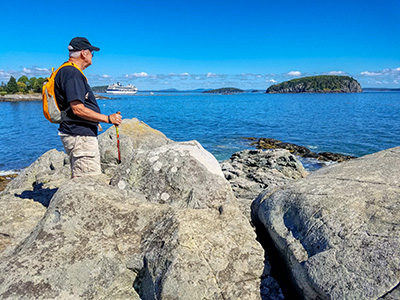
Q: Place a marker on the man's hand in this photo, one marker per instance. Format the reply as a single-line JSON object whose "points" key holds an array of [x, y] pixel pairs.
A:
{"points": [[115, 119]]}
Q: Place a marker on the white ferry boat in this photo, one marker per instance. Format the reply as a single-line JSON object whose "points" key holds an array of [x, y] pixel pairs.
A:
{"points": [[118, 89]]}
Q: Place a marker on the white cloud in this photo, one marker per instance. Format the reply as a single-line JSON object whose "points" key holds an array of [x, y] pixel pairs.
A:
{"points": [[141, 74], [211, 75], [29, 72], [4, 76], [294, 73], [251, 75], [367, 73], [185, 74], [42, 69], [271, 81], [336, 73], [384, 72], [34, 71], [105, 76], [138, 75]]}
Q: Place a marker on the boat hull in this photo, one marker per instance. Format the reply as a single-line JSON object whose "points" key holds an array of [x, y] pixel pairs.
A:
{"points": [[121, 92]]}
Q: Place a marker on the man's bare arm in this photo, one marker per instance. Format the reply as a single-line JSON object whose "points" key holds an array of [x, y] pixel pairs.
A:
{"points": [[86, 113]]}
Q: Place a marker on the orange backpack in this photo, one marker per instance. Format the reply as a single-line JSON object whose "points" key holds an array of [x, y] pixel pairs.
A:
{"points": [[51, 109]]}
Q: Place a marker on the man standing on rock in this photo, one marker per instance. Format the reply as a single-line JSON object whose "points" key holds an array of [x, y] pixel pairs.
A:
{"points": [[78, 131]]}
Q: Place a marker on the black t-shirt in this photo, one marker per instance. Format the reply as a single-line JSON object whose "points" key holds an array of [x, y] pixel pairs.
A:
{"points": [[71, 85]]}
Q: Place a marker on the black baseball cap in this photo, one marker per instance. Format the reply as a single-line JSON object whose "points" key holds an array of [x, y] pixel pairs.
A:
{"points": [[81, 43]]}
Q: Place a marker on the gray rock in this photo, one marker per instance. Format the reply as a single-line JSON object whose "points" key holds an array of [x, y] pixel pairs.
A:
{"points": [[134, 135], [50, 170], [25, 198], [250, 172], [339, 228], [181, 174], [97, 241], [267, 143], [392, 295]]}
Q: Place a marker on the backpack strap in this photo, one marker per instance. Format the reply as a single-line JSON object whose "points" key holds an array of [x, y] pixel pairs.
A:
{"points": [[64, 116], [68, 63]]}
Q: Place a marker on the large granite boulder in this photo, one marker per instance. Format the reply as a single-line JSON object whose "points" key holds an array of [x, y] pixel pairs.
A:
{"points": [[338, 229], [168, 227], [97, 242], [181, 174], [134, 134]]}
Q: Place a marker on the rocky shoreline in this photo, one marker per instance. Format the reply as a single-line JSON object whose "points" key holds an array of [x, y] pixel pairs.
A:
{"points": [[267, 143], [261, 143], [31, 97], [170, 222], [20, 97]]}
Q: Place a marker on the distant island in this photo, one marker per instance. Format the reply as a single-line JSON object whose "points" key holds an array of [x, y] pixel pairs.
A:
{"points": [[228, 90], [317, 84]]}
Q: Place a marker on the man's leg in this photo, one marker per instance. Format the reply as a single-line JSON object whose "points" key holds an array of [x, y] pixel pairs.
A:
{"points": [[84, 155]]}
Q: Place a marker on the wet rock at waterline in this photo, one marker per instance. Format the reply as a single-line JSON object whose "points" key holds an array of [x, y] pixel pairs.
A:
{"points": [[267, 143], [251, 172]]}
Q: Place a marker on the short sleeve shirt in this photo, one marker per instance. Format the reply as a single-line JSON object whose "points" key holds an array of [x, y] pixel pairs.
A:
{"points": [[70, 85]]}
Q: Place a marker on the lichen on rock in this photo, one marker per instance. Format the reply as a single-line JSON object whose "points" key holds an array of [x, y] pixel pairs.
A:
{"points": [[168, 227]]}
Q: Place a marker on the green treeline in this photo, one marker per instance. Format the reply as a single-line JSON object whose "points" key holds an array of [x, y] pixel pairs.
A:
{"points": [[317, 84], [23, 85], [228, 90]]}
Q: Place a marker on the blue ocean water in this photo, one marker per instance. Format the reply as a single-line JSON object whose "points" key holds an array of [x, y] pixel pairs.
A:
{"points": [[353, 124]]}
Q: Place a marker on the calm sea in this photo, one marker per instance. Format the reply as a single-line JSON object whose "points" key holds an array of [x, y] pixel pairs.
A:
{"points": [[354, 124]]}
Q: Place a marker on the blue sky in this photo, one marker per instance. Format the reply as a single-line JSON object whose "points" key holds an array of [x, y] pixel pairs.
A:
{"points": [[206, 44]]}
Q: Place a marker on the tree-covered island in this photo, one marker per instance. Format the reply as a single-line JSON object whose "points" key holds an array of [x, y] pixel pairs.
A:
{"points": [[228, 90], [317, 84]]}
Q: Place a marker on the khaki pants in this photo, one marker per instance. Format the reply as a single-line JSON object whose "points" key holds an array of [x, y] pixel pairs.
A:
{"points": [[84, 154]]}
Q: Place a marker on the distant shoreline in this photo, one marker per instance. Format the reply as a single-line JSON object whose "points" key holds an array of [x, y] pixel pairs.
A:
{"points": [[381, 90], [30, 97], [21, 97], [38, 96]]}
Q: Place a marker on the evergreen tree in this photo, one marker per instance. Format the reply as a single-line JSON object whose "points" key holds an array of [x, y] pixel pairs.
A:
{"points": [[12, 86]]}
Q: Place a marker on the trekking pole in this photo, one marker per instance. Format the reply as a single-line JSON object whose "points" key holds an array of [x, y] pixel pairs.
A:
{"points": [[119, 151]]}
